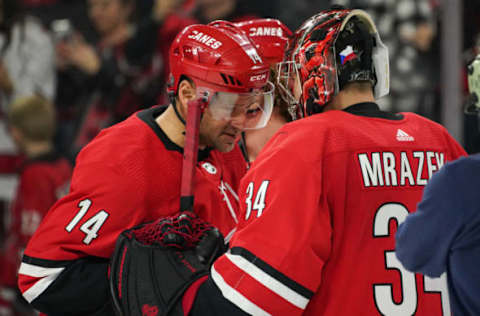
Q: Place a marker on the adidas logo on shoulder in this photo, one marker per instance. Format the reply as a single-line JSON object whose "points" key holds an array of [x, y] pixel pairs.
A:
{"points": [[404, 137]]}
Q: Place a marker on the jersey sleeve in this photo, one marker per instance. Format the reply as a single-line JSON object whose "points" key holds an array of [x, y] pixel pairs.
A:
{"points": [[423, 241], [276, 258], [64, 267]]}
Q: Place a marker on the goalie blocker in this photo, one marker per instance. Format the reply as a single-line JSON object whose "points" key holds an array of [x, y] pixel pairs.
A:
{"points": [[182, 248]]}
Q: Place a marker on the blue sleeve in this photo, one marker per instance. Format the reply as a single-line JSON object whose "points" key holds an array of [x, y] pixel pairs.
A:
{"points": [[423, 241]]}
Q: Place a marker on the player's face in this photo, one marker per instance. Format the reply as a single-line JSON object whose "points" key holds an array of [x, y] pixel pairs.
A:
{"points": [[222, 133]]}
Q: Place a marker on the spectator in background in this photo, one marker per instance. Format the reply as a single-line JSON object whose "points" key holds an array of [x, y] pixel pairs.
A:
{"points": [[471, 120], [407, 28], [27, 66], [44, 178], [37, 3], [168, 17], [293, 12], [229, 10], [471, 31], [117, 70], [95, 68], [27, 57]]}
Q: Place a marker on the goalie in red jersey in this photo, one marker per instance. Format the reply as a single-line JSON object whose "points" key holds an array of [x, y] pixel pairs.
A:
{"points": [[320, 204], [130, 173]]}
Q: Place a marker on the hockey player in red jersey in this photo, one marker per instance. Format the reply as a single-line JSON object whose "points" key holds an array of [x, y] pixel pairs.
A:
{"points": [[321, 203], [270, 37], [130, 173]]}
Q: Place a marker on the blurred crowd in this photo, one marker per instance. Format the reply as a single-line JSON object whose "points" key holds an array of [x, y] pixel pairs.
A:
{"points": [[84, 65]]}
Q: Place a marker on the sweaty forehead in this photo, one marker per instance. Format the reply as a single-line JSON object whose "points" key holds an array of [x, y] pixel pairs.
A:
{"points": [[230, 100], [243, 100]]}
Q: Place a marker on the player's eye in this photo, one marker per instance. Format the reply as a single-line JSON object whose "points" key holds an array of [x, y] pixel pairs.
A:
{"points": [[253, 111]]}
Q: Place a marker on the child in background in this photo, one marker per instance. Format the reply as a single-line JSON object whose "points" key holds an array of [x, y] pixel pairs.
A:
{"points": [[43, 178]]}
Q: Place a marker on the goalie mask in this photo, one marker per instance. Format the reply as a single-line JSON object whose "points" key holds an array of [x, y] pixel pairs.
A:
{"points": [[331, 49], [224, 65]]}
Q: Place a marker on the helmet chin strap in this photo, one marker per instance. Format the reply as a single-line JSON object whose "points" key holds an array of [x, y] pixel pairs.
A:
{"points": [[177, 113], [203, 99]]}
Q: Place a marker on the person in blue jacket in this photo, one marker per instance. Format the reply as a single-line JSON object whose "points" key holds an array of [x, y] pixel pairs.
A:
{"points": [[443, 235]]}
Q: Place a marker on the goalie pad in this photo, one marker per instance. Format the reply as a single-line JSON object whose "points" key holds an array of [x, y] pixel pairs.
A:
{"points": [[153, 264]]}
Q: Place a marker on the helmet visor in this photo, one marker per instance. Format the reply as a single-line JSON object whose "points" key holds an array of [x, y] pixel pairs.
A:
{"points": [[248, 111]]}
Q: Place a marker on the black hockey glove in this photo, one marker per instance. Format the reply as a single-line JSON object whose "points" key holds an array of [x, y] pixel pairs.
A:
{"points": [[153, 264]]}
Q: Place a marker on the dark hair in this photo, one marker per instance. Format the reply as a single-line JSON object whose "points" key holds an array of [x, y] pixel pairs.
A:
{"points": [[11, 12]]}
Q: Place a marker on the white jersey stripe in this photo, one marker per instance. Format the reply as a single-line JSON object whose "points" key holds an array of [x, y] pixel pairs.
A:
{"points": [[48, 275], [222, 187], [231, 191], [272, 284], [36, 271], [236, 297], [229, 235]]}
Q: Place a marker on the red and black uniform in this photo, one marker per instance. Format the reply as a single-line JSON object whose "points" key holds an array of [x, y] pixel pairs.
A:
{"points": [[128, 175], [319, 211]]}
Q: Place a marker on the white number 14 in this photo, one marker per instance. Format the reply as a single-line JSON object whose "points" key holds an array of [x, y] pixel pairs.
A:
{"points": [[92, 225]]}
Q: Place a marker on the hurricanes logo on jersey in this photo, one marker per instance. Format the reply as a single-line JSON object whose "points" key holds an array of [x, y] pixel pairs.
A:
{"points": [[209, 168]]}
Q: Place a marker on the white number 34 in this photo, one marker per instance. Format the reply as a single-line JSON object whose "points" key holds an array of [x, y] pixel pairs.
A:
{"points": [[259, 201], [92, 225]]}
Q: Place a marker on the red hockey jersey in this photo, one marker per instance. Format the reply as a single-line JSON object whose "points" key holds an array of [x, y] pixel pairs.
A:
{"points": [[42, 181], [128, 175], [319, 210]]}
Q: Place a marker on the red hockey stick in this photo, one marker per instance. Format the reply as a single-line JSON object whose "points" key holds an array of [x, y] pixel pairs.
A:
{"points": [[190, 151]]}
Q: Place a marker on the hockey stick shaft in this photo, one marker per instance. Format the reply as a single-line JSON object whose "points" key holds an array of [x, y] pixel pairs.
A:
{"points": [[190, 152]]}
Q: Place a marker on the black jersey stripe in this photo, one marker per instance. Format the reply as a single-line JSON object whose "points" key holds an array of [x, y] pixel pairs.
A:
{"points": [[268, 269], [46, 263]]}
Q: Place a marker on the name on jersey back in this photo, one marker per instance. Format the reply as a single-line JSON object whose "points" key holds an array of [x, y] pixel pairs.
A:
{"points": [[380, 169]]}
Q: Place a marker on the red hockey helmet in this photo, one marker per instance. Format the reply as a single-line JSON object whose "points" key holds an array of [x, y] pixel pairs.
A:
{"points": [[329, 50], [221, 60], [270, 37]]}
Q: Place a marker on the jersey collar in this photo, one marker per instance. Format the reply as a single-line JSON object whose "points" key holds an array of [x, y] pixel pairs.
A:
{"points": [[371, 109], [149, 115]]}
